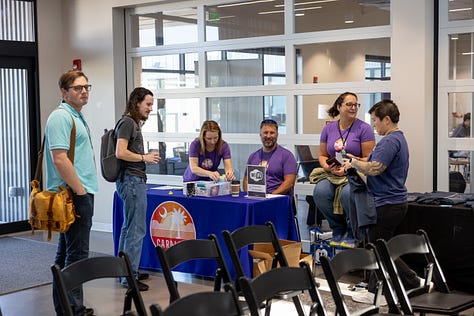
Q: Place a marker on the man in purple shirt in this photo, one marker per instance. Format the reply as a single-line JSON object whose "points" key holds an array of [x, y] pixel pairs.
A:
{"points": [[280, 162]]}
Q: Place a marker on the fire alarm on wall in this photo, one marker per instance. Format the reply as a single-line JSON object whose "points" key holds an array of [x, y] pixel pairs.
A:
{"points": [[76, 64]]}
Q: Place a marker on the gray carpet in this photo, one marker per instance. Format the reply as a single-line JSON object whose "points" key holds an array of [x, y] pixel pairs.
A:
{"points": [[25, 263]]}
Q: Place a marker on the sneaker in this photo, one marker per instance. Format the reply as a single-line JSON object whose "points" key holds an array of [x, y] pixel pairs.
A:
{"points": [[368, 298], [349, 243], [142, 276], [336, 241], [142, 287]]}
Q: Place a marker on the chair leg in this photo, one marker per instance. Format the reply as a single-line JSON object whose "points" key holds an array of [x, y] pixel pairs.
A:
{"points": [[298, 305]]}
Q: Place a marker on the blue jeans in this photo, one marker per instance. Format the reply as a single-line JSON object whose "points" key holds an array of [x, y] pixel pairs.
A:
{"points": [[132, 191], [323, 196], [73, 245]]}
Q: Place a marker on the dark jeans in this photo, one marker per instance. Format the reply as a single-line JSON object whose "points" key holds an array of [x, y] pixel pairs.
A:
{"points": [[389, 217], [73, 245]]}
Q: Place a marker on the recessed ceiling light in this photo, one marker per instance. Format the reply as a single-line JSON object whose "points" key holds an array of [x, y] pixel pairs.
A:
{"points": [[460, 10], [243, 3]]}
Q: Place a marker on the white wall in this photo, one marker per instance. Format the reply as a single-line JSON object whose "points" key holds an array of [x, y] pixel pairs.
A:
{"points": [[80, 29], [83, 29]]}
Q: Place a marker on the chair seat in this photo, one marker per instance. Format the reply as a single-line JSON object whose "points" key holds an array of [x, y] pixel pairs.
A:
{"points": [[438, 302]]}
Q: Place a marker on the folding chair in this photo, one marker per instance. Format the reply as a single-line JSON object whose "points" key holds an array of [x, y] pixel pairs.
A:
{"points": [[270, 284], [192, 249], [202, 304], [420, 299], [359, 259], [93, 268], [246, 236]]}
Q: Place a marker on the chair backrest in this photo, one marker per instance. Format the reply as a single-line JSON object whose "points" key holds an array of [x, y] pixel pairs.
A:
{"points": [[411, 244], [202, 304], [306, 161], [93, 268], [358, 259], [192, 249], [247, 236], [276, 281]]}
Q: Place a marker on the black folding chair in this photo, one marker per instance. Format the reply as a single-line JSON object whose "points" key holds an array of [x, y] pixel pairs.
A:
{"points": [[88, 269], [202, 304], [420, 299], [246, 236], [272, 283], [192, 249], [359, 259]]}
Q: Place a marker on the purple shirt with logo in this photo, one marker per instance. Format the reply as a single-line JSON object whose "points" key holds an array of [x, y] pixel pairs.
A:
{"points": [[359, 132], [209, 161], [279, 162]]}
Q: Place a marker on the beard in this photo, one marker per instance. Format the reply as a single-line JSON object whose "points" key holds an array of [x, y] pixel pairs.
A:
{"points": [[269, 143]]}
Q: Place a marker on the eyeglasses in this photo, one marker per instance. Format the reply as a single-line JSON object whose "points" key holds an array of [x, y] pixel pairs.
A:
{"points": [[269, 121], [351, 105], [88, 87]]}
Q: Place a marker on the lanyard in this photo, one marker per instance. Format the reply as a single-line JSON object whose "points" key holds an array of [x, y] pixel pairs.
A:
{"points": [[347, 135]]}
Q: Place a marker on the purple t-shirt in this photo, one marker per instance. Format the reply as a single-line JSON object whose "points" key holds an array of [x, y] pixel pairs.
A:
{"points": [[209, 161], [359, 132], [279, 162]]}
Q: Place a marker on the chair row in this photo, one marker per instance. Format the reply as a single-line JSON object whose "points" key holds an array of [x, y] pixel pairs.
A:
{"points": [[282, 282]]}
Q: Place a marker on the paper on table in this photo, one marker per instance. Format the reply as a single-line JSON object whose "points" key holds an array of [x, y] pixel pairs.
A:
{"points": [[168, 187], [267, 196]]}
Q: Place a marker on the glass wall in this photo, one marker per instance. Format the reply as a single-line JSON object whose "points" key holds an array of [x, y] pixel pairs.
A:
{"points": [[239, 63]]}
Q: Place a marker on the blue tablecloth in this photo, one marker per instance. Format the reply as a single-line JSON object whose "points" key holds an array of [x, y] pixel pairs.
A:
{"points": [[210, 216]]}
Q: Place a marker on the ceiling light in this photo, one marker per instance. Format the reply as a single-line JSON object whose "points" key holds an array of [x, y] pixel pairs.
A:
{"points": [[299, 14], [454, 36], [467, 53], [460, 10], [281, 11], [243, 3], [309, 2]]}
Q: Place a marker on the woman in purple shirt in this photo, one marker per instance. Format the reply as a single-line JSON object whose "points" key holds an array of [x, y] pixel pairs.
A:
{"points": [[205, 154], [347, 135]]}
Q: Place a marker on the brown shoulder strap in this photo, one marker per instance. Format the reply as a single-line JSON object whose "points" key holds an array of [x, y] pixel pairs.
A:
{"points": [[72, 149]]}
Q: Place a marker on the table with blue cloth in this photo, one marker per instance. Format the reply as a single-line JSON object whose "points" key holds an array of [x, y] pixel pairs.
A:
{"points": [[210, 215]]}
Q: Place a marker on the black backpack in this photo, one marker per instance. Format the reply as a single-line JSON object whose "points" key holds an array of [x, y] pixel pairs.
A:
{"points": [[109, 164]]}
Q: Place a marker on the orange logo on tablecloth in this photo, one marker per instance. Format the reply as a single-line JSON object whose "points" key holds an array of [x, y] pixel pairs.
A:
{"points": [[170, 224]]}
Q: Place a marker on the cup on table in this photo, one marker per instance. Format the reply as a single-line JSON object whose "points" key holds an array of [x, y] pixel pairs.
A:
{"points": [[235, 187]]}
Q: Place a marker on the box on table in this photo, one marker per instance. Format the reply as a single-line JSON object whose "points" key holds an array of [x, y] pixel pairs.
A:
{"points": [[262, 255], [208, 188]]}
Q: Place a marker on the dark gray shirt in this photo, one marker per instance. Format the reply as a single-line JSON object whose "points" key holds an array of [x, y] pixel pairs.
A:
{"points": [[129, 129]]}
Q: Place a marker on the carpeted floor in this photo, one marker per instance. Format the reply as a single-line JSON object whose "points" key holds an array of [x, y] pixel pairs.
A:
{"points": [[27, 263]]}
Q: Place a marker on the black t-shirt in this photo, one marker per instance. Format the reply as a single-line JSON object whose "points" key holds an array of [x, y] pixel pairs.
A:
{"points": [[129, 129]]}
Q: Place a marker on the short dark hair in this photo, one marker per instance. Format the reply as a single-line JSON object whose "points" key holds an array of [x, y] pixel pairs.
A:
{"points": [[269, 122], [386, 108]]}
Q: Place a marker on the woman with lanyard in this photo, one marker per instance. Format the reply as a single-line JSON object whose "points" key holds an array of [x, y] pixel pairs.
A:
{"points": [[347, 135]]}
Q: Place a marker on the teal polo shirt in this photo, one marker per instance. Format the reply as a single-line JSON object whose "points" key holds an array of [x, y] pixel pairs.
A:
{"points": [[57, 136]]}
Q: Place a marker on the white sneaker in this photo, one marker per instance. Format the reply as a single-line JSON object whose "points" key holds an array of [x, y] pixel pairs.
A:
{"points": [[368, 298]]}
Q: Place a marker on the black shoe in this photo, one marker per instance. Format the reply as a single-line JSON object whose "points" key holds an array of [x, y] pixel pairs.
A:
{"points": [[142, 276], [142, 287], [88, 312]]}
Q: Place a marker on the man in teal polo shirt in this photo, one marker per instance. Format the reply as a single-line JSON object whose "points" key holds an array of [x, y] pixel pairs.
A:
{"points": [[80, 176]]}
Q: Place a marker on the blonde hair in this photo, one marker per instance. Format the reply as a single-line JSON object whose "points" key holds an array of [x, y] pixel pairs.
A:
{"points": [[210, 126]]}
